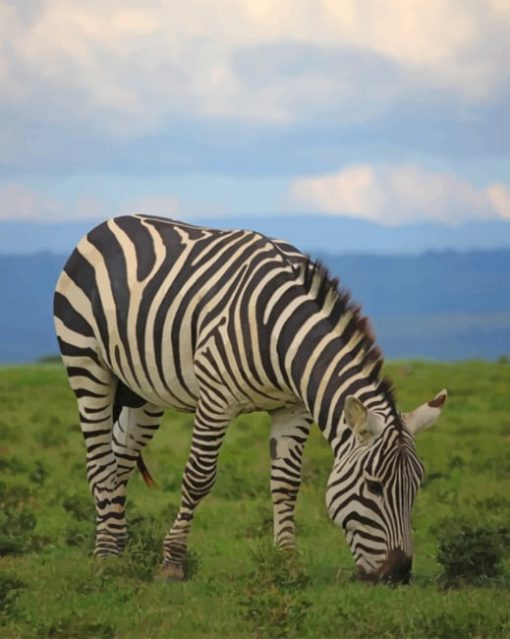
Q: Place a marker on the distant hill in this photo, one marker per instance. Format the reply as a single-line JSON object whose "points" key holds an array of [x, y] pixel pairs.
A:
{"points": [[446, 282], [332, 234], [26, 298], [441, 305]]}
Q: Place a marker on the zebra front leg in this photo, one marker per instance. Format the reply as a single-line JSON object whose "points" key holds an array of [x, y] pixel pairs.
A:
{"points": [[198, 479], [133, 429], [290, 428]]}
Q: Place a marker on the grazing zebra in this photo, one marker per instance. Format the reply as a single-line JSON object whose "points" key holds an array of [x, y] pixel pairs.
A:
{"points": [[152, 313]]}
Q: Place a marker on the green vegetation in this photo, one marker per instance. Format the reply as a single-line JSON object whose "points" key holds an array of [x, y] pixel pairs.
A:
{"points": [[238, 586], [470, 554]]}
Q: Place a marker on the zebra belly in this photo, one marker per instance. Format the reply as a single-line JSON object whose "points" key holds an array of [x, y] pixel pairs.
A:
{"points": [[174, 395], [165, 381]]}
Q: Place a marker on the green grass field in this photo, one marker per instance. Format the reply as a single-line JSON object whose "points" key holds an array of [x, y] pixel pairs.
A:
{"points": [[238, 586]]}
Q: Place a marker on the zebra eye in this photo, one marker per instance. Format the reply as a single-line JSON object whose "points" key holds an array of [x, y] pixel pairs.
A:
{"points": [[375, 487]]}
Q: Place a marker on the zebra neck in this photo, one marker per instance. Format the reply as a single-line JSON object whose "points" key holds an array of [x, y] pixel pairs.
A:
{"points": [[325, 368]]}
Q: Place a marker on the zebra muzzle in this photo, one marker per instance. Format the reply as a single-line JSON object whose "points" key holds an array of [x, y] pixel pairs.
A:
{"points": [[395, 570]]}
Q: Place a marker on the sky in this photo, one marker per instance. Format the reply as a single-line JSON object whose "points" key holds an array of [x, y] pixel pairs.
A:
{"points": [[395, 112]]}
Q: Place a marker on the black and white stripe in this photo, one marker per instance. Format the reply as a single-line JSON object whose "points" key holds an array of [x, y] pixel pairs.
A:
{"points": [[152, 314]]}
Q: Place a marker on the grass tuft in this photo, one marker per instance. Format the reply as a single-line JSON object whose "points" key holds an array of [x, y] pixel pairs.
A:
{"points": [[274, 603]]}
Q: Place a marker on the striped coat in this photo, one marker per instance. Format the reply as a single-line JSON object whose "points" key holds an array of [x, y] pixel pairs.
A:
{"points": [[153, 314]]}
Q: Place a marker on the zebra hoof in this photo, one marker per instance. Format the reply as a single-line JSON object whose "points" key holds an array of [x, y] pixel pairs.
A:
{"points": [[171, 572], [106, 552]]}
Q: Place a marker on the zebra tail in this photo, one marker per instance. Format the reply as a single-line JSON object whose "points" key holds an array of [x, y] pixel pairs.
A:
{"points": [[147, 477]]}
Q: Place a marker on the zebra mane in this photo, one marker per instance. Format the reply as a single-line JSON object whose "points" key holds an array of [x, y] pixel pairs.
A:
{"points": [[340, 307]]}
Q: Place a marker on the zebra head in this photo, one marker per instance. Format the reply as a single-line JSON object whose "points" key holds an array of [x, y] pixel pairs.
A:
{"points": [[373, 485]]}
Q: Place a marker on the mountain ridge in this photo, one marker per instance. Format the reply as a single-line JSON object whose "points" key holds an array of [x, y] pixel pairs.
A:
{"points": [[444, 305], [310, 233]]}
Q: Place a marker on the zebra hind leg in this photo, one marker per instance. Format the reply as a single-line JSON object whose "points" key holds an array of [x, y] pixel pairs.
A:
{"points": [[133, 429], [94, 386], [290, 428]]}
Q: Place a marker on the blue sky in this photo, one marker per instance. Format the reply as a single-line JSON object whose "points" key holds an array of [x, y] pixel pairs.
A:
{"points": [[395, 112]]}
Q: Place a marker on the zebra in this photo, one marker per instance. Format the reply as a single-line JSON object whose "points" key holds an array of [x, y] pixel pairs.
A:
{"points": [[152, 313]]}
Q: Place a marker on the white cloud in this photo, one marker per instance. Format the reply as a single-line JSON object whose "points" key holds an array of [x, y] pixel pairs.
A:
{"points": [[500, 6], [390, 195], [133, 66], [154, 205], [18, 202], [400, 194], [499, 196]]}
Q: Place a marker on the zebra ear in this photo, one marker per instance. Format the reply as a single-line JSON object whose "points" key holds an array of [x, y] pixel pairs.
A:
{"points": [[426, 414], [365, 424]]}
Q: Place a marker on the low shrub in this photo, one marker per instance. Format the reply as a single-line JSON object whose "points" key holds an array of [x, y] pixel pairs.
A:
{"points": [[17, 521], [80, 507], [12, 465], [76, 628], [469, 554], [39, 473], [79, 535], [9, 590]]}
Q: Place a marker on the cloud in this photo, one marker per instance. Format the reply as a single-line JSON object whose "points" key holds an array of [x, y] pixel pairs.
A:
{"points": [[390, 195], [499, 6], [154, 205], [133, 67], [18, 202], [399, 195], [499, 196]]}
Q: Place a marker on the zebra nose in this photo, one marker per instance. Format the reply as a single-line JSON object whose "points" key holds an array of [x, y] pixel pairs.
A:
{"points": [[397, 568]]}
